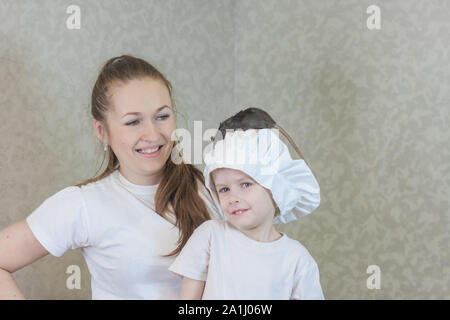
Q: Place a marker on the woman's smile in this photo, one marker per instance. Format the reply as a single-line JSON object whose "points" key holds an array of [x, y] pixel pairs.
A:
{"points": [[150, 152]]}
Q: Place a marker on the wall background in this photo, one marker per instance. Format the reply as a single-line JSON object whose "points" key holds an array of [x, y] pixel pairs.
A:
{"points": [[368, 108]]}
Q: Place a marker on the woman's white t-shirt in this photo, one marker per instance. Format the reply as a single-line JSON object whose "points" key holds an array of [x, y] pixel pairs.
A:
{"points": [[236, 267], [123, 239]]}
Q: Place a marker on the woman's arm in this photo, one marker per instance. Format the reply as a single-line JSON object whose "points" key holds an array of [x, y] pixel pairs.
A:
{"points": [[191, 289], [19, 248]]}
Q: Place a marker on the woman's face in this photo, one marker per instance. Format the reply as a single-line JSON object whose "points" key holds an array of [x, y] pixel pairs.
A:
{"points": [[139, 122]]}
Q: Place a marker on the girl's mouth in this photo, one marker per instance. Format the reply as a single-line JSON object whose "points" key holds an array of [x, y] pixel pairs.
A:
{"points": [[239, 212]]}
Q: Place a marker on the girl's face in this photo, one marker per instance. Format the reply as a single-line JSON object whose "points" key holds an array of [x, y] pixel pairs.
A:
{"points": [[140, 123], [246, 204]]}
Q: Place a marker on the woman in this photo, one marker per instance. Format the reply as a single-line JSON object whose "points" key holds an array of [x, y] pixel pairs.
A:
{"points": [[134, 217]]}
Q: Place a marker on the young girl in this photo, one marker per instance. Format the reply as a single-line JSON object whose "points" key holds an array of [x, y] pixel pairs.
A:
{"points": [[254, 179]]}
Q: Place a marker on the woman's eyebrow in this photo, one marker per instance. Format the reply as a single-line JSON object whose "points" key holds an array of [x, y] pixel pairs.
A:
{"points": [[138, 113], [131, 113], [160, 108]]}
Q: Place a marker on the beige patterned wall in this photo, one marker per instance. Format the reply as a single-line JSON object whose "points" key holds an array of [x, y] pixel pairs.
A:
{"points": [[368, 108], [370, 111]]}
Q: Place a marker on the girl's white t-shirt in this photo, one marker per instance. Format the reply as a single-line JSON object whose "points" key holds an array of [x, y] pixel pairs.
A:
{"points": [[236, 267], [123, 239]]}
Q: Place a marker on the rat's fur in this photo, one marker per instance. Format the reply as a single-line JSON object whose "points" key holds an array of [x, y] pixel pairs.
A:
{"points": [[252, 118]]}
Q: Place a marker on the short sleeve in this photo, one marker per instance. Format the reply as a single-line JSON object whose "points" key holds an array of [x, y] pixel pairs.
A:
{"points": [[193, 260], [307, 280], [60, 222]]}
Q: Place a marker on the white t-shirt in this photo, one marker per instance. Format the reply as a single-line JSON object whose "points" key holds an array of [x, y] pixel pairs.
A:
{"points": [[122, 238], [237, 267]]}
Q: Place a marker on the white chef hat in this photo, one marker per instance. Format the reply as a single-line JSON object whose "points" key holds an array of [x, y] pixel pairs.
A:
{"points": [[262, 155]]}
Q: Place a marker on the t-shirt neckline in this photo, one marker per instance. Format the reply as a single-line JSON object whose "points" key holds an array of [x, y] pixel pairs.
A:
{"points": [[244, 240], [135, 188]]}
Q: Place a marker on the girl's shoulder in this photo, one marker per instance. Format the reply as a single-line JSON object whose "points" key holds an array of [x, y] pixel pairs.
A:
{"points": [[212, 225], [298, 249]]}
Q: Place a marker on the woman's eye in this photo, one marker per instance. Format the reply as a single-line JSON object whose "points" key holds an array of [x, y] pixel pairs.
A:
{"points": [[222, 190], [163, 117], [132, 123], [246, 184]]}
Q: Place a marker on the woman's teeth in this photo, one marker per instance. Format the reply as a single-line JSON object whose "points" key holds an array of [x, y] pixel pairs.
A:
{"points": [[148, 150]]}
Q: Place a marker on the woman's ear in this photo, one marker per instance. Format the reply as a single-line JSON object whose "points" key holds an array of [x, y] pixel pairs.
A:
{"points": [[100, 131]]}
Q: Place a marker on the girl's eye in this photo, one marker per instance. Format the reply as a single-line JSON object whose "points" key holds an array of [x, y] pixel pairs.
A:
{"points": [[222, 190], [132, 123], [246, 184], [163, 117]]}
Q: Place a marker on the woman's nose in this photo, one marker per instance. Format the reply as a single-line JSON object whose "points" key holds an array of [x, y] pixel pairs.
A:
{"points": [[150, 132]]}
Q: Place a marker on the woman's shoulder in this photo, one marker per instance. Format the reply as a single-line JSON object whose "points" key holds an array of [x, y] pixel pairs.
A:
{"points": [[67, 195], [99, 188], [76, 197], [105, 181]]}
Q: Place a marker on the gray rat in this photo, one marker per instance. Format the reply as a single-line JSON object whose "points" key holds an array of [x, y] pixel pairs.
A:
{"points": [[252, 118]]}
